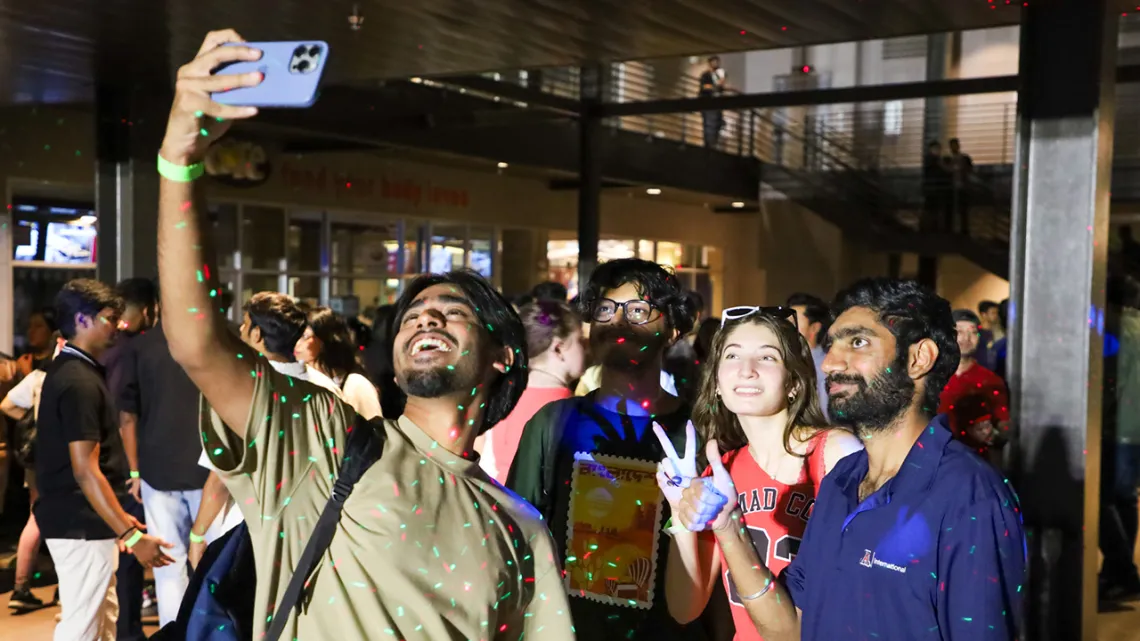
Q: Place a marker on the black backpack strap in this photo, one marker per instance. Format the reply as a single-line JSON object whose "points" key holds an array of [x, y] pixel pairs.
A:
{"points": [[364, 447]]}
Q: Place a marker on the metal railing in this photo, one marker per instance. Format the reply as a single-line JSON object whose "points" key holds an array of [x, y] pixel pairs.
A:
{"points": [[864, 156]]}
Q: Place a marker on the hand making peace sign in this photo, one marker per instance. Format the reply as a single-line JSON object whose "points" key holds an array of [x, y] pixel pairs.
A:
{"points": [[706, 503]]}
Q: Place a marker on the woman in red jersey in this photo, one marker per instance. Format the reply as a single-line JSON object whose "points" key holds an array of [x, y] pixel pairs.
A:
{"points": [[557, 354], [758, 403]]}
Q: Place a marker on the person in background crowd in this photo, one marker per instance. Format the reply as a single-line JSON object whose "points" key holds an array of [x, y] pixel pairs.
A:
{"points": [[158, 414], [81, 469], [811, 317], [140, 312], [712, 83], [681, 359], [556, 357], [975, 399], [608, 534], [989, 332], [935, 186], [758, 405], [705, 334], [327, 344], [424, 527], [272, 325], [41, 330], [961, 168], [519, 301], [549, 290], [915, 503], [999, 352], [23, 399], [378, 362], [1120, 468]]}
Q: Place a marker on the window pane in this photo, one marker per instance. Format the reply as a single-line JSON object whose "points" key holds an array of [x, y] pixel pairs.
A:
{"points": [[415, 237], [227, 283], [367, 292], [223, 219], [253, 283], [306, 289], [645, 249], [365, 249], [263, 237], [482, 254], [305, 244], [447, 247], [614, 249], [670, 254]]}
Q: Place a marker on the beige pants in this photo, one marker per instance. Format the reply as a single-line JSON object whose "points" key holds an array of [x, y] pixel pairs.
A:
{"points": [[86, 572]]}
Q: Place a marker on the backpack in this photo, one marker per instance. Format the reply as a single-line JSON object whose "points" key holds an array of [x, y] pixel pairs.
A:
{"points": [[218, 603]]}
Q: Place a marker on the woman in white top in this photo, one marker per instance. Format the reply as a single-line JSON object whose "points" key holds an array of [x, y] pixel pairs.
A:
{"points": [[328, 346], [24, 398]]}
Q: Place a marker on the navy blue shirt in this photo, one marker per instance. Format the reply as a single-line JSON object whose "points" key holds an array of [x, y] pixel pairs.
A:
{"points": [[937, 553]]}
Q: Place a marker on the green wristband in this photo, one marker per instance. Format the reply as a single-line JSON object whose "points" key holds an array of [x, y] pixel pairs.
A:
{"points": [[194, 538], [134, 474], [178, 173], [134, 539]]}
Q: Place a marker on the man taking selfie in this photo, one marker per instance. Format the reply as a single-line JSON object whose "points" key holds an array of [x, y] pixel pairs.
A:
{"points": [[428, 546]]}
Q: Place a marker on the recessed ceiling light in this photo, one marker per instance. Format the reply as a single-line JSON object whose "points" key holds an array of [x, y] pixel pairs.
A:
{"points": [[503, 165], [653, 191], [738, 205], [417, 80]]}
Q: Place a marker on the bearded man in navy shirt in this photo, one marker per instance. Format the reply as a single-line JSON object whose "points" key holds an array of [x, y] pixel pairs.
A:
{"points": [[913, 538]]}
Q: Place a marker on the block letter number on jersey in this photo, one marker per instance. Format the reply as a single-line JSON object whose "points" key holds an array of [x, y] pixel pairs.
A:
{"points": [[785, 549]]}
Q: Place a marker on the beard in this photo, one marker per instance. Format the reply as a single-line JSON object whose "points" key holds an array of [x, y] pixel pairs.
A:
{"points": [[432, 383], [638, 351], [874, 406]]}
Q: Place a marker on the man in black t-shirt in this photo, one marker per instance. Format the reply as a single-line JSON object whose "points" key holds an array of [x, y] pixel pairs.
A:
{"points": [[589, 464], [140, 312], [712, 85], [81, 468], [159, 404]]}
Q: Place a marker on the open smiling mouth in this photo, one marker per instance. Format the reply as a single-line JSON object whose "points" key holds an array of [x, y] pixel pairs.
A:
{"points": [[429, 344]]}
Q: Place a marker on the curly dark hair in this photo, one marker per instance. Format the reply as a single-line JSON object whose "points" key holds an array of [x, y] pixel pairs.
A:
{"points": [[499, 322], [653, 282], [911, 312], [280, 320]]}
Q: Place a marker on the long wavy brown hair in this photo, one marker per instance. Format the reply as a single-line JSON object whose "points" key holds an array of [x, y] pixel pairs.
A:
{"points": [[713, 420]]}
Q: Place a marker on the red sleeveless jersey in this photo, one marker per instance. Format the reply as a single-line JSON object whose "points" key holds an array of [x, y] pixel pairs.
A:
{"points": [[776, 515]]}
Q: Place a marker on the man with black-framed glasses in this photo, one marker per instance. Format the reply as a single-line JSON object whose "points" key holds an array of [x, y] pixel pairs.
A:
{"points": [[589, 463]]}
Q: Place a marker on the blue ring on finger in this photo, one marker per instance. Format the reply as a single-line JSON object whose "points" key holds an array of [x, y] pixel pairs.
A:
{"points": [[675, 481]]}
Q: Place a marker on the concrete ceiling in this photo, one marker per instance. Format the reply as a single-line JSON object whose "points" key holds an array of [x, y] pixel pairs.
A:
{"points": [[49, 51]]}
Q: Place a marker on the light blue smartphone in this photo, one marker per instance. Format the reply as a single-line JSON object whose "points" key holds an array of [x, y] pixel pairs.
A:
{"points": [[291, 73]]}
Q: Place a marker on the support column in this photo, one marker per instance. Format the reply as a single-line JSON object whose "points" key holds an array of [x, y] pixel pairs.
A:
{"points": [[937, 68], [928, 271], [127, 137], [1058, 257], [589, 175]]}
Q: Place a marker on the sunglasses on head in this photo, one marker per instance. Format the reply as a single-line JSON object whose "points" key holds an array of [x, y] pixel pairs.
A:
{"points": [[744, 311]]}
